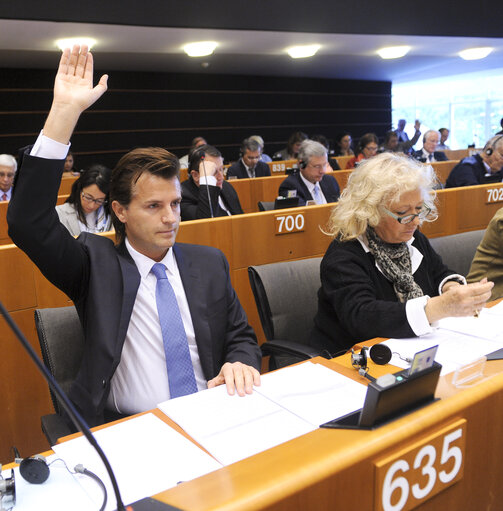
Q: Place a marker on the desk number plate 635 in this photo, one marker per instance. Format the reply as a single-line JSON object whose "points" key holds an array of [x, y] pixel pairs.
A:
{"points": [[422, 469]]}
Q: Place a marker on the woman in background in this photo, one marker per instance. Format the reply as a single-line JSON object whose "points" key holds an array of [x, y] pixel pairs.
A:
{"points": [[367, 148], [87, 209], [343, 143], [380, 277]]}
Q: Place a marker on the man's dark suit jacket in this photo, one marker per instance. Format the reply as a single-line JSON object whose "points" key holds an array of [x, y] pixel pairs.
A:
{"points": [[438, 155], [102, 280], [238, 170], [195, 203], [471, 171], [328, 185]]}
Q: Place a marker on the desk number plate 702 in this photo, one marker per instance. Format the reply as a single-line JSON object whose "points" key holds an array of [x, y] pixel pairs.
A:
{"points": [[420, 470]]}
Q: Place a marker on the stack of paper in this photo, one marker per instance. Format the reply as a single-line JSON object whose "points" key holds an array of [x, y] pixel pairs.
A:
{"points": [[288, 403]]}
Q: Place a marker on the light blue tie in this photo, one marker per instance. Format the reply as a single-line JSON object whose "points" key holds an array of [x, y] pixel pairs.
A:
{"points": [[178, 363], [317, 194]]}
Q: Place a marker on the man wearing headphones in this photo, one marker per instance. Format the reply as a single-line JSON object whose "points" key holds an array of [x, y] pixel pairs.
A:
{"points": [[428, 153], [8, 167], [479, 169], [249, 165], [205, 194], [312, 182]]}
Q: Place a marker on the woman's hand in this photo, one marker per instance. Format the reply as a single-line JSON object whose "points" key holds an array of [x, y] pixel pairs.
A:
{"points": [[458, 300]]}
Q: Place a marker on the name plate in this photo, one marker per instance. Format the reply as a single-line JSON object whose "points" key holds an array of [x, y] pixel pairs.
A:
{"points": [[278, 167], [414, 474], [494, 195], [286, 224]]}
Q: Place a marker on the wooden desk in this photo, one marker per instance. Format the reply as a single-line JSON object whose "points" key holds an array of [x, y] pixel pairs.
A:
{"points": [[334, 469]]}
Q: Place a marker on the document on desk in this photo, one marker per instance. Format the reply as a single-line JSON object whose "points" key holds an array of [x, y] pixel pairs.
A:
{"points": [[455, 349], [289, 403], [60, 492], [146, 455]]}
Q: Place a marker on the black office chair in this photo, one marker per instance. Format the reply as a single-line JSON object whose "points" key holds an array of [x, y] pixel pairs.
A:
{"points": [[62, 343], [287, 301]]}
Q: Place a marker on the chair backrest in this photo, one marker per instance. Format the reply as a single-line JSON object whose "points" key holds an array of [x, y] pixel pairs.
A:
{"points": [[62, 343], [286, 295], [457, 250]]}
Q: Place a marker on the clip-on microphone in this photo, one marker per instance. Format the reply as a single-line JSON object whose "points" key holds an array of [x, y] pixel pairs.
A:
{"points": [[203, 156]]}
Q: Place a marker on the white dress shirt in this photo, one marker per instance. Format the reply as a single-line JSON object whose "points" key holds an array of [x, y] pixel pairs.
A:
{"points": [[141, 379], [310, 187]]}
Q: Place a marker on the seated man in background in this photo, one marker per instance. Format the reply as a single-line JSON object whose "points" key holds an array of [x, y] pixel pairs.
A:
{"points": [[160, 319], [444, 135], [312, 181], [488, 260], [263, 157], [482, 168], [205, 194], [8, 167], [196, 142], [249, 165], [429, 154]]}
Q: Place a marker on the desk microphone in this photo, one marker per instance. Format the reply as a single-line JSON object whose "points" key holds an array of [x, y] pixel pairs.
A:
{"points": [[203, 156], [78, 421]]}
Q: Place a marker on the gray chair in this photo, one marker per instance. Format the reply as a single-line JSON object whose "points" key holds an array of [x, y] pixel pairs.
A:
{"points": [[457, 250], [62, 343], [286, 295]]}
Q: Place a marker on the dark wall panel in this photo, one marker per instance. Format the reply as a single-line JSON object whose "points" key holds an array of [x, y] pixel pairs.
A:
{"points": [[168, 110]]}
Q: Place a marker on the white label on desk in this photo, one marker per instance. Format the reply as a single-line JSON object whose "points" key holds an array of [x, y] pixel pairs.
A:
{"points": [[494, 195], [409, 477], [286, 224]]}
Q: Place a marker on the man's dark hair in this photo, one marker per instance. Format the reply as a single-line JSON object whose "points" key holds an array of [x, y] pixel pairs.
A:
{"points": [[98, 175], [388, 136], [295, 138], [196, 156], [131, 166]]}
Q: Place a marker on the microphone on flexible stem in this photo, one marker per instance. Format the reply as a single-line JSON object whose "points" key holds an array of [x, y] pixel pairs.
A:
{"points": [[77, 420], [207, 187]]}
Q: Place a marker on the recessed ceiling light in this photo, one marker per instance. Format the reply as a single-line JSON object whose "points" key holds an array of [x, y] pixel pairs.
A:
{"points": [[200, 49], [302, 52], [69, 42], [475, 53], [393, 52]]}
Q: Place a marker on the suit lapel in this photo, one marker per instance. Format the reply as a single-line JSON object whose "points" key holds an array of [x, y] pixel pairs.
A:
{"points": [[303, 187], [192, 284], [130, 283]]}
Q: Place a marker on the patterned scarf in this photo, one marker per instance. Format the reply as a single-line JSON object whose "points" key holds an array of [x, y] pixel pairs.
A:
{"points": [[394, 261]]}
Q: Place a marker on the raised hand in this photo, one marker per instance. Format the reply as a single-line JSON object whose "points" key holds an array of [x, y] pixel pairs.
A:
{"points": [[73, 92]]}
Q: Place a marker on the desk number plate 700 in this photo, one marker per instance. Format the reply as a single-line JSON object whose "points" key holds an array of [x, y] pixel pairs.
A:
{"points": [[419, 471]]}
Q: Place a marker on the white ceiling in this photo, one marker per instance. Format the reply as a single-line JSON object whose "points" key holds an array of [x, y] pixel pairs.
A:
{"points": [[30, 44]]}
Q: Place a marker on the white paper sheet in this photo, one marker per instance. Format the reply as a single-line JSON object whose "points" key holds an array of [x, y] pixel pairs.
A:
{"points": [[454, 349], [489, 325], [232, 428], [314, 392], [147, 457], [60, 492]]}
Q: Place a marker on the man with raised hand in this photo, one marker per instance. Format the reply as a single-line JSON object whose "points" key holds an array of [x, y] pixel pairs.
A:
{"points": [[160, 319]]}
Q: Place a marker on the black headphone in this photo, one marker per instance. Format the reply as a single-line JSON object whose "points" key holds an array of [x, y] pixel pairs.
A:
{"points": [[490, 149], [302, 164], [380, 354]]}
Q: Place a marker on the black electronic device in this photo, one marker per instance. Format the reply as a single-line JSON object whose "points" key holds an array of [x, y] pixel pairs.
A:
{"points": [[390, 397], [286, 202], [147, 504]]}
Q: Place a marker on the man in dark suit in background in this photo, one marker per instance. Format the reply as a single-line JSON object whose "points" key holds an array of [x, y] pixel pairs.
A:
{"points": [[483, 168], [249, 165], [206, 194], [312, 181], [148, 306], [428, 154]]}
